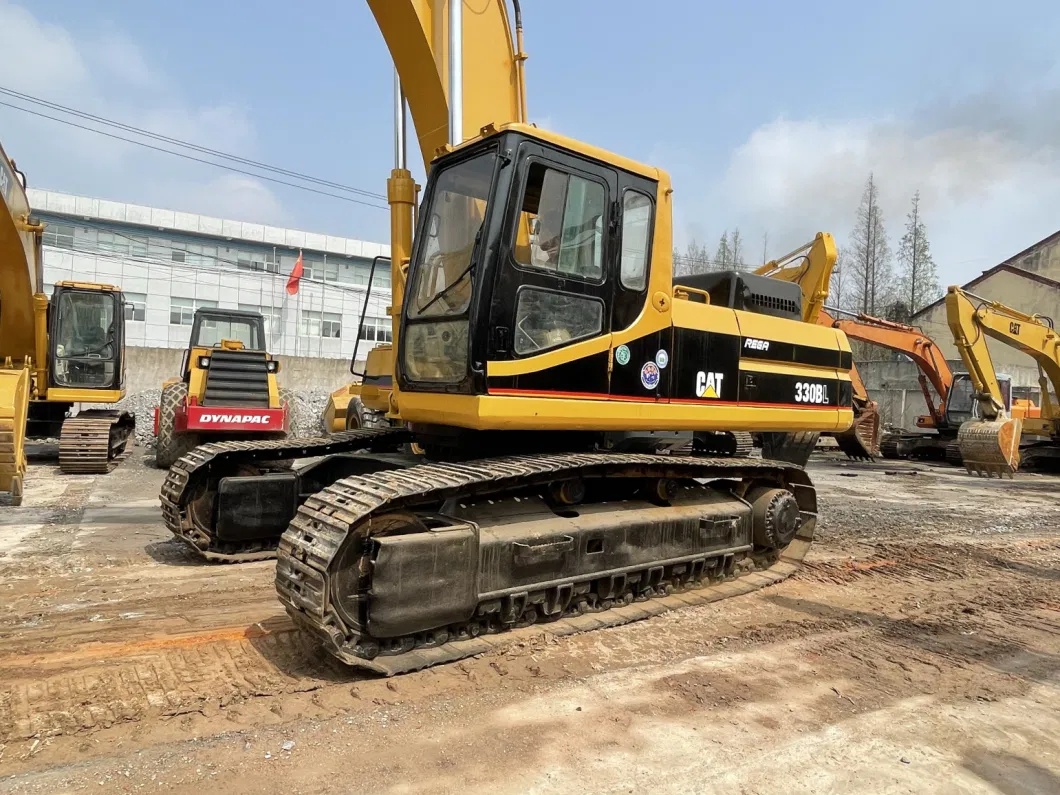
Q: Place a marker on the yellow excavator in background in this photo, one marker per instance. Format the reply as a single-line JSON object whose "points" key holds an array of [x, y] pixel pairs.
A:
{"points": [[990, 445], [54, 353], [549, 364], [810, 267]]}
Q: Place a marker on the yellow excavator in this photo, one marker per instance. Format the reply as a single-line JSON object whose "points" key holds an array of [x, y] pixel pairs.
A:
{"points": [[54, 353], [991, 444], [549, 365], [810, 267], [363, 403]]}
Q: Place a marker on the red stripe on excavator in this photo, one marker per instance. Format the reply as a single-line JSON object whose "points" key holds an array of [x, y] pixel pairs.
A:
{"points": [[545, 393]]}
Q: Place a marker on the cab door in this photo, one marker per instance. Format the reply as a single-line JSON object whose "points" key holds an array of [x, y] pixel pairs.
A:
{"points": [[553, 291]]}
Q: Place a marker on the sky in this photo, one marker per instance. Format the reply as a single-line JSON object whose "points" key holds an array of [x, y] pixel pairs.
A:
{"points": [[769, 116]]}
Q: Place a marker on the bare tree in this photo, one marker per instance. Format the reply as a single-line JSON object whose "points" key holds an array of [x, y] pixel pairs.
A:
{"points": [[836, 295], [870, 266], [696, 259], [919, 281]]}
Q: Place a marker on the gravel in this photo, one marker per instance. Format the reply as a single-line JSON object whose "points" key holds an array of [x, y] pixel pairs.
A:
{"points": [[307, 418]]}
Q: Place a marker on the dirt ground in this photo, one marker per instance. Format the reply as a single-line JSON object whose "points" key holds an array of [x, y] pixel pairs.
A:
{"points": [[917, 651]]}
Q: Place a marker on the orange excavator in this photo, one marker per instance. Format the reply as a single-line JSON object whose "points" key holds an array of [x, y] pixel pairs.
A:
{"points": [[861, 441]]}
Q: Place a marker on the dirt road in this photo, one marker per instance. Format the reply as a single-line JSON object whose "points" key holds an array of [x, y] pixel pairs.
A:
{"points": [[918, 651]]}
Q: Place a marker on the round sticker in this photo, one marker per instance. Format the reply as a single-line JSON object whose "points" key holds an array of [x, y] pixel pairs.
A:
{"points": [[649, 375], [662, 359], [622, 354]]}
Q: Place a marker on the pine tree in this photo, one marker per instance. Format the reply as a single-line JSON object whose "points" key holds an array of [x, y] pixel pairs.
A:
{"points": [[870, 267], [736, 246], [723, 258], [919, 283]]}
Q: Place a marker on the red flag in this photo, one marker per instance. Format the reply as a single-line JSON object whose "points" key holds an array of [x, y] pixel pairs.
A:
{"points": [[296, 276]]}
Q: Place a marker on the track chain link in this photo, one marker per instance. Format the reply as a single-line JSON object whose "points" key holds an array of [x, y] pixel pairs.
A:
{"points": [[195, 468]]}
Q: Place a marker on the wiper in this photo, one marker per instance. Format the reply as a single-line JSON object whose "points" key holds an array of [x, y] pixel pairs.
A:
{"points": [[470, 265]]}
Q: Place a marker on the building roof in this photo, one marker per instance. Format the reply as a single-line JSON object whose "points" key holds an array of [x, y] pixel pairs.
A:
{"points": [[195, 224], [1008, 267]]}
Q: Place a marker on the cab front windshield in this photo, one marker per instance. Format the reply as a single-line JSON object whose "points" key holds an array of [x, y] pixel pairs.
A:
{"points": [[444, 271], [212, 329], [86, 339], [962, 405]]}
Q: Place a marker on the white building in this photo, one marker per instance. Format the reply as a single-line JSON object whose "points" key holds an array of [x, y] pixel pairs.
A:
{"points": [[169, 263]]}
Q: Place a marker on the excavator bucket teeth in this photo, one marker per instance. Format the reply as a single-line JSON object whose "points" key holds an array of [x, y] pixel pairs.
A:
{"points": [[861, 441], [990, 447]]}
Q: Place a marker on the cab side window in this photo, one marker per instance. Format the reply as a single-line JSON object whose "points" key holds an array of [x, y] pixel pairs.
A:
{"points": [[636, 239], [545, 319], [561, 224]]}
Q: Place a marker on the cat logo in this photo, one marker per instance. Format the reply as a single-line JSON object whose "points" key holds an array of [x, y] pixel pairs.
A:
{"points": [[708, 385]]}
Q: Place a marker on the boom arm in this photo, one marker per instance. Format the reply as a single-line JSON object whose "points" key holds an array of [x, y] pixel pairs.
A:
{"points": [[810, 267], [972, 319], [21, 274], [417, 34], [913, 343]]}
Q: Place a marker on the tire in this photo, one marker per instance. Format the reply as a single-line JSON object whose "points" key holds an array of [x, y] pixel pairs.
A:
{"points": [[354, 415], [287, 396], [170, 445], [795, 448]]}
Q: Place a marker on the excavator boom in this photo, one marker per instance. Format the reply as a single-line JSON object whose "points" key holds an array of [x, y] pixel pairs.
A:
{"points": [[992, 445]]}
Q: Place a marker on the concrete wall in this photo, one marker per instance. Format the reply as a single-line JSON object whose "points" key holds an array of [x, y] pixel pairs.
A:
{"points": [[147, 368], [894, 385]]}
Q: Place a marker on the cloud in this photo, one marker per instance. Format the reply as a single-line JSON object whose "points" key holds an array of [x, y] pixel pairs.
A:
{"points": [[106, 73], [986, 166], [235, 196]]}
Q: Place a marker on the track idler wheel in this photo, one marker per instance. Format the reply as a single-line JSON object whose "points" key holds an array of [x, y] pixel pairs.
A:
{"points": [[774, 517], [991, 447]]}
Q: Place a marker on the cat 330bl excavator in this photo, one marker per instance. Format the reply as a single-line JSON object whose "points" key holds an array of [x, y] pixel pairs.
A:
{"points": [[546, 361], [990, 444], [54, 353]]}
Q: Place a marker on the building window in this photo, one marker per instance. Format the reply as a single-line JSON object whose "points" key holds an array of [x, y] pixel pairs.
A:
{"points": [[182, 310], [177, 252], [322, 324], [135, 306], [377, 329], [59, 235], [263, 262], [321, 270], [200, 256], [272, 317]]}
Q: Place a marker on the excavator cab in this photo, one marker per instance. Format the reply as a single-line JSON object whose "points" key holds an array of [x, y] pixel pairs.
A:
{"points": [[87, 336], [962, 405]]}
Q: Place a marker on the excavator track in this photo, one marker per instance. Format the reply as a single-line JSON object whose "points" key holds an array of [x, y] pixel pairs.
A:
{"points": [[359, 555], [189, 478], [94, 442]]}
